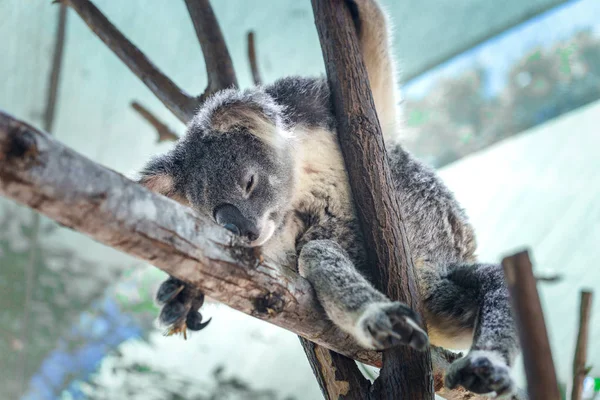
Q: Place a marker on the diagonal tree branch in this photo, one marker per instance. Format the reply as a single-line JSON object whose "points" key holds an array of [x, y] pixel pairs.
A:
{"points": [[38, 171], [174, 98], [165, 133], [219, 67]]}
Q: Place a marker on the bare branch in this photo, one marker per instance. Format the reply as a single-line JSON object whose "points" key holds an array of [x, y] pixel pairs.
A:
{"points": [[406, 372], [175, 99], [165, 134], [338, 376], [38, 171], [580, 359], [537, 355], [219, 66], [252, 58]]}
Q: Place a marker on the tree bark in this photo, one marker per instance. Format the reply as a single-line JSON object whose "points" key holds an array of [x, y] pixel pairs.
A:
{"points": [[337, 375], [406, 373], [537, 355]]}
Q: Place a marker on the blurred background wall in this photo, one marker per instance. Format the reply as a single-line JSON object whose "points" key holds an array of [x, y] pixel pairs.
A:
{"points": [[501, 96]]}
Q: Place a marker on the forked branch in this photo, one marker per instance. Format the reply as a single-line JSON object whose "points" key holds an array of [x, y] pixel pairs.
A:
{"points": [[218, 62]]}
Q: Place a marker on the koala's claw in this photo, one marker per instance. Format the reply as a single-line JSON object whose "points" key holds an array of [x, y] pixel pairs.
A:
{"points": [[481, 372], [386, 325], [180, 307]]}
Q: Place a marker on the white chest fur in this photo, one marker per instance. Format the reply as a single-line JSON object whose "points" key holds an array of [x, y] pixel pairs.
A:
{"points": [[321, 187]]}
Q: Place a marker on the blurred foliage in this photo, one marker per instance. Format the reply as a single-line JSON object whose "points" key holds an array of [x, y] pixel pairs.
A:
{"points": [[456, 117], [123, 378], [61, 287]]}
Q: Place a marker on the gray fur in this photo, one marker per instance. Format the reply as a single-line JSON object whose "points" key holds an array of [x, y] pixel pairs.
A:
{"points": [[284, 135]]}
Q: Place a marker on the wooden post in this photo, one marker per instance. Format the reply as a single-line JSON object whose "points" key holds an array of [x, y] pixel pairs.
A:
{"points": [[406, 373], [537, 355], [580, 359]]}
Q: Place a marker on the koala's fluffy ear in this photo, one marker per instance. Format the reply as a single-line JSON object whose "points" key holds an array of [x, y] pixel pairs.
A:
{"points": [[159, 177]]}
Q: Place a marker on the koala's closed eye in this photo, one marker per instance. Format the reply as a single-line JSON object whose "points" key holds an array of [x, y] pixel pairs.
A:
{"points": [[249, 183]]}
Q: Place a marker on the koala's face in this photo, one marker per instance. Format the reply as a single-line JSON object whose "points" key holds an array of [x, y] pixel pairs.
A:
{"points": [[240, 181]]}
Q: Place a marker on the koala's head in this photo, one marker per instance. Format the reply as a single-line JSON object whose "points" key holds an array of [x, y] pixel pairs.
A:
{"points": [[234, 165]]}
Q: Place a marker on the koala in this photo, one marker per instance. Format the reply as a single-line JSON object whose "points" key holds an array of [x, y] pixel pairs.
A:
{"points": [[265, 163]]}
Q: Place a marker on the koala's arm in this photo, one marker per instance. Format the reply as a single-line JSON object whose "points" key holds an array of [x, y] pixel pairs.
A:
{"points": [[353, 304]]}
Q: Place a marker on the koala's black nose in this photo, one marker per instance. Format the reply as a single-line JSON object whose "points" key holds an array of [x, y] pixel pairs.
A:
{"points": [[228, 216]]}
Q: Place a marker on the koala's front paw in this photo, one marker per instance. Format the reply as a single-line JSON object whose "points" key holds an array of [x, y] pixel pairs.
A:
{"points": [[389, 324], [482, 372], [180, 307]]}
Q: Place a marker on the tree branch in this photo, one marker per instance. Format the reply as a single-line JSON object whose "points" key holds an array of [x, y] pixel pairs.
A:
{"points": [[406, 373], [180, 103], [38, 171], [580, 359], [337, 375], [219, 67], [165, 133], [537, 355], [252, 58]]}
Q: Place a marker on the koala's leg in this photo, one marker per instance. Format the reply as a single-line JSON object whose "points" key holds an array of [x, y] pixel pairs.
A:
{"points": [[353, 304], [473, 299]]}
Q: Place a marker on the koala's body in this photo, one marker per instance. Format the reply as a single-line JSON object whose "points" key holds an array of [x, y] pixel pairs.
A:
{"points": [[265, 163]]}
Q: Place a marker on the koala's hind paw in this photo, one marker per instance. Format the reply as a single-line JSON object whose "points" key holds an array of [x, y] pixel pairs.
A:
{"points": [[389, 324], [180, 307], [482, 372]]}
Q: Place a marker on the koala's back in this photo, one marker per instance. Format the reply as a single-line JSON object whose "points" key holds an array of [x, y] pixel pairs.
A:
{"points": [[437, 228]]}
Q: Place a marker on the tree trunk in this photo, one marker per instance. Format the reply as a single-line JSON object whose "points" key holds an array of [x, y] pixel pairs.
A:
{"points": [[406, 373]]}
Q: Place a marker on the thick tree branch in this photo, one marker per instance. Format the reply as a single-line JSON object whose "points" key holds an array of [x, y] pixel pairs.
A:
{"points": [[537, 355], [38, 171], [579, 362], [252, 58], [219, 67], [406, 373], [165, 133]]}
